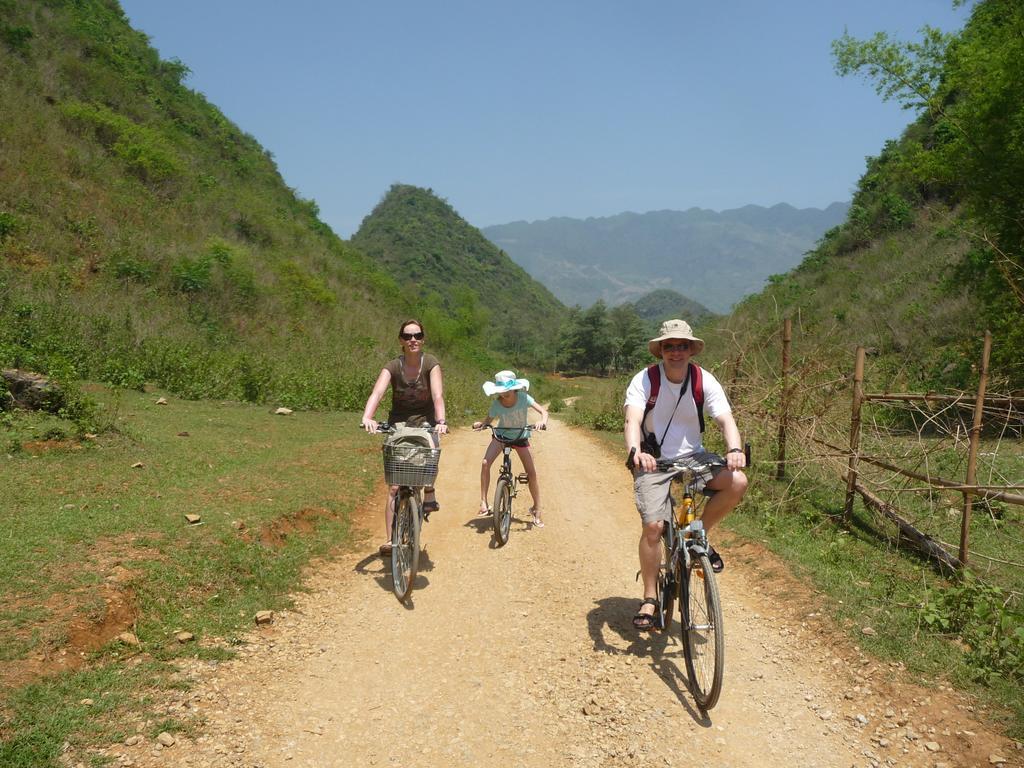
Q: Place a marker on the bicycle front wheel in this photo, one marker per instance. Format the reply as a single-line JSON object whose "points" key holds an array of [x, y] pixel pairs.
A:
{"points": [[405, 544], [703, 633], [666, 587], [502, 510]]}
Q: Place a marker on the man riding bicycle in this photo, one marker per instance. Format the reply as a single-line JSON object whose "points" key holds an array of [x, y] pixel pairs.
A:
{"points": [[664, 409]]}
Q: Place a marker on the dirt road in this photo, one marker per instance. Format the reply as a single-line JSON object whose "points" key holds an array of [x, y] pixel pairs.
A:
{"points": [[525, 656]]}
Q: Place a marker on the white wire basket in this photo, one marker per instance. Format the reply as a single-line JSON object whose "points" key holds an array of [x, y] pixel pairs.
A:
{"points": [[410, 464]]}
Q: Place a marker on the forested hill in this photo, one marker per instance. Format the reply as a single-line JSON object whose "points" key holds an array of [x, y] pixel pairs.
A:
{"points": [[932, 252], [657, 306], [146, 238], [619, 258], [432, 252]]}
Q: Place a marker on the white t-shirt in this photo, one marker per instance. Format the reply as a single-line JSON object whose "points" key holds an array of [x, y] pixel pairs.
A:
{"points": [[683, 436]]}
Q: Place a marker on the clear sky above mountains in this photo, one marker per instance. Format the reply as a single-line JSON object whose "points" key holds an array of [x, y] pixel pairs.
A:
{"points": [[529, 110]]}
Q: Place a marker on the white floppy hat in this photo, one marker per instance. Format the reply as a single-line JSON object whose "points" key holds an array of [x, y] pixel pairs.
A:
{"points": [[504, 381], [675, 329]]}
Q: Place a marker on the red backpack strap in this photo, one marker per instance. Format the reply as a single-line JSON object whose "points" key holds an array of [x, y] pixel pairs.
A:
{"points": [[654, 374], [697, 390]]}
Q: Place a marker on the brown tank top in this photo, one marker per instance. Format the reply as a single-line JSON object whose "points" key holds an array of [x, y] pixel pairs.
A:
{"points": [[411, 398]]}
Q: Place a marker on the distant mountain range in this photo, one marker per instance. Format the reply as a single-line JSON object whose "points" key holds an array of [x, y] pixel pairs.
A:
{"points": [[716, 258]]}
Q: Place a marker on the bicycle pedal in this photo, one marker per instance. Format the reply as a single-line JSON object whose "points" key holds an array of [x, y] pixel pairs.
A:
{"points": [[522, 477]]}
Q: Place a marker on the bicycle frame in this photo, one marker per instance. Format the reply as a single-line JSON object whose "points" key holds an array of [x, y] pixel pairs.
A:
{"points": [[406, 524], [686, 575]]}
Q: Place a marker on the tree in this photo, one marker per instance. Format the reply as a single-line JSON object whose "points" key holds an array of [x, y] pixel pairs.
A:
{"points": [[971, 85], [628, 335], [585, 343], [970, 90]]}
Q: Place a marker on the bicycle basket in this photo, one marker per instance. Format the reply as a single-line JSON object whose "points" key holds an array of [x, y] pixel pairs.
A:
{"points": [[406, 464]]}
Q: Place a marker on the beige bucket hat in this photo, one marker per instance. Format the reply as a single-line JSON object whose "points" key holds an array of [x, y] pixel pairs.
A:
{"points": [[675, 329]]}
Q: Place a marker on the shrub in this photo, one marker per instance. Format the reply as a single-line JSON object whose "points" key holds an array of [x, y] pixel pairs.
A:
{"points": [[129, 270], [141, 148], [982, 616], [190, 276], [302, 287], [16, 38], [8, 225]]}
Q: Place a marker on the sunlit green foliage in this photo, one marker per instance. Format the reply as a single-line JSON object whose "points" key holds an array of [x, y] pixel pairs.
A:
{"points": [[966, 148]]}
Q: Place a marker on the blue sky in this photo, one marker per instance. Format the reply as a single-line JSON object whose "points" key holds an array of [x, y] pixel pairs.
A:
{"points": [[528, 110]]}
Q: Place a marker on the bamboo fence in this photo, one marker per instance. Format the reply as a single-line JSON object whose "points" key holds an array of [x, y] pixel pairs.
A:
{"points": [[789, 412]]}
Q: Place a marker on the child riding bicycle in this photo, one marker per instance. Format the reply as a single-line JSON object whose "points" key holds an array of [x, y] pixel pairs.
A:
{"points": [[510, 411]]}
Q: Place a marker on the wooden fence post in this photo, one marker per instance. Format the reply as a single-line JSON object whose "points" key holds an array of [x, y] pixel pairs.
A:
{"points": [[787, 335], [858, 397], [972, 453]]}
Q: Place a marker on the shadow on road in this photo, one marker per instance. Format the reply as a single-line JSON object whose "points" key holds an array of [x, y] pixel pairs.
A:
{"points": [[486, 525], [380, 569], [663, 651]]}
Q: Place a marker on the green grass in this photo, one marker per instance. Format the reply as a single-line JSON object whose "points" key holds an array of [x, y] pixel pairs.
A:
{"points": [[273, 492]]}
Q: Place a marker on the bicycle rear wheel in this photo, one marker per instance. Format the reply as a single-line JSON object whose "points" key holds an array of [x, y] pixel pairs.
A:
{"points": [[703, 633], [502, 510], [405, 544]]}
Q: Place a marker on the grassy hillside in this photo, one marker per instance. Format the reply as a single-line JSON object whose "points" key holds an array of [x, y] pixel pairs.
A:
{"points": [[897, 296], [144, 237], [439, 258]]}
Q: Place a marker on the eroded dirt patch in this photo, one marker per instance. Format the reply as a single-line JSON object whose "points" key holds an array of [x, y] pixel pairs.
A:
{"points": [[65, 628], [40, 447], [275, 533]]}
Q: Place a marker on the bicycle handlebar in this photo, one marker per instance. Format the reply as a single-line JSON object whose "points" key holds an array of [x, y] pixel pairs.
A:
{"points": [[666, 464], [386, 428], [494, 431]]}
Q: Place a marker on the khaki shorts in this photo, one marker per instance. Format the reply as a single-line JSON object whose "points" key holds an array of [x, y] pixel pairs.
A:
{"points": [[652, 489]]}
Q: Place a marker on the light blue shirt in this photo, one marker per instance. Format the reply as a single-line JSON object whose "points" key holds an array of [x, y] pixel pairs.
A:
{"points": [[509, 422]]}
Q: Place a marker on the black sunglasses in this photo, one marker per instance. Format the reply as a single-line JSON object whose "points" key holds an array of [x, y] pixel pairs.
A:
{"points": [[681, 346], [411, 336]]}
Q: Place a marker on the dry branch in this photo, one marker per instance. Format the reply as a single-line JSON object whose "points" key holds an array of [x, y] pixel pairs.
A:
{"points": [[921, 540], [985, 492]]}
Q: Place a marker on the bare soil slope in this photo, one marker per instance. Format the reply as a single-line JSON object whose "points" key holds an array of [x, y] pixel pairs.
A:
{"points": [[525, 656]]}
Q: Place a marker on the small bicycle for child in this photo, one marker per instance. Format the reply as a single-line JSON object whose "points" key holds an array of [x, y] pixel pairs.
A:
{"points": [[508, 484], [410, 467]]}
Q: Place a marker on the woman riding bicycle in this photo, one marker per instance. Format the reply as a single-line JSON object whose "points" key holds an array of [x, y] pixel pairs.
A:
{"points": [[417, 400], [664, 420], [511, 410]]}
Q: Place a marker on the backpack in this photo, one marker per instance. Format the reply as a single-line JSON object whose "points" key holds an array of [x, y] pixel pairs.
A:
{"points": [[693, 375]]}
